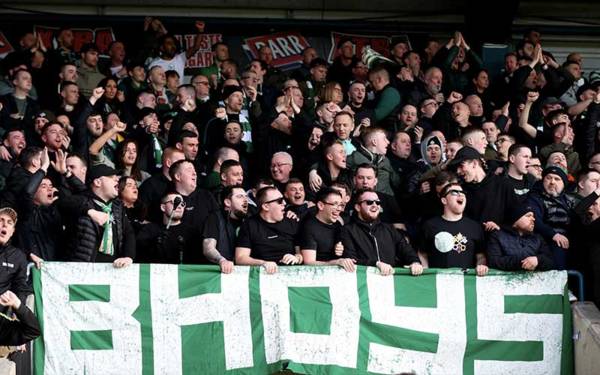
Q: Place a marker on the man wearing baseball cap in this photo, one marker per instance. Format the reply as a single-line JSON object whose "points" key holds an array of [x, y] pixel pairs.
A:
{"points": [[488, 196], [114, 240]]}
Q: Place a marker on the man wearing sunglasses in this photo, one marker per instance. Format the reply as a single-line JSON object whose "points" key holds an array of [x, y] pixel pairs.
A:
{"points": [[372, 243], [268, 238], [452, 240]]}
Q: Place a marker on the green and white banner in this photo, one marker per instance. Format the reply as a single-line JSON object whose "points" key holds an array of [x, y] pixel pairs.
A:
{"points": [[168, 319]]}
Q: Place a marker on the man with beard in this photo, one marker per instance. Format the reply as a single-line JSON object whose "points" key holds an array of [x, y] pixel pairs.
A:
{"points": [[430, 87], [320, 233], [88, 72], [168, 57], [14, 142], [370, 242], [221, 228], [365, 178], [269, 237], [552, 209], [113, 241], [88, 126], [517, 247], [452, 240], [169, 240]]}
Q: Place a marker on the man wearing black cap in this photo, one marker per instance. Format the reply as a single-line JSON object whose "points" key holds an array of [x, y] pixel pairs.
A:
{"points": [[488, 196], [114, 240], [517, 247], [552, 209], [89, 74]]}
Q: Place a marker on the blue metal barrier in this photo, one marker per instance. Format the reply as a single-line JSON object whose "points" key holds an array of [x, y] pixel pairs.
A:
{"points": [[581, 288]]}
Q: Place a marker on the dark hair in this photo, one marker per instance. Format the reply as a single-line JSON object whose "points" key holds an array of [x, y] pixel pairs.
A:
{"points": [[78, 156], [214, 46], [136, 173], [325, 192], [318, 61], [186, 134], [262, 194], [294, 180], [342, 185], [176, 167], [366, 166], [360, 192], [227, 192], [264, 181], [515, 148], [171, 73], [446, 188], [228, 164], [26, 156]]}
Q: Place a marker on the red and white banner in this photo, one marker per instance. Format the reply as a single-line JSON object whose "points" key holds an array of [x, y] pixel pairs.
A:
{"points": [[287, 47], [101, 36], [203, 57], [5, 46]]}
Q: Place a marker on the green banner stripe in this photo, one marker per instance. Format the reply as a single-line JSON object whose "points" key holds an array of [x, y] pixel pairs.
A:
{"points": [[508, 350], [401, 337], [87, 292], [39, 350], [91, 340], [415, 291], [567, 365], [310, 310], [538, 304], [193, 283], [143, 314]]}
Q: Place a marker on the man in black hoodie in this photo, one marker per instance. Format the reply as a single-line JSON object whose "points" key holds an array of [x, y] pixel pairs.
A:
{"points": [[373, 243], [488, 196], [21, 330]]}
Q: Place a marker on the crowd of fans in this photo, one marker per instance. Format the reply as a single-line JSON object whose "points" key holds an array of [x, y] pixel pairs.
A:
{"points": [[426, 159]]}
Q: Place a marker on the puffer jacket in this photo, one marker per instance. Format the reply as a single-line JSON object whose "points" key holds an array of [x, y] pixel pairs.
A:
{"points": [[89, 236]]}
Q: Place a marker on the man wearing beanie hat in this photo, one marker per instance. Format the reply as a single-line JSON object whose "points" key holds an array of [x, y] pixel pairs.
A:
{"points": [[114, 240], [233, 100], [517, 247], [552, 209]]}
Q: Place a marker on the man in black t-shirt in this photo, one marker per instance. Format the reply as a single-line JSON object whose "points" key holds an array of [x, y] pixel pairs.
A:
{"points": [[452, 240], [222, 226], [518, 178], [269, 237], [320, 234]]}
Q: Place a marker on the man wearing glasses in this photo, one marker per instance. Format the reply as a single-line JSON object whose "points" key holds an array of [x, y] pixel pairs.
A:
{"points": [[370, 242], [452, 240], [320, 233], [268, 238]]}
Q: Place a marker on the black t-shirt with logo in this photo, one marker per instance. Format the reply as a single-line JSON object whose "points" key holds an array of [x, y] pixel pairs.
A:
{"points": [[452, 244], [268, 241], [316, 235], [224, 230]]}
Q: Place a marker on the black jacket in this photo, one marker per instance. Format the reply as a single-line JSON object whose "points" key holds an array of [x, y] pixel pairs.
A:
{"points": [[489, 200], [369, 243], [89, 236], [506, 249], [18, 332], [15, 185], [40, 228], [13, 271]]}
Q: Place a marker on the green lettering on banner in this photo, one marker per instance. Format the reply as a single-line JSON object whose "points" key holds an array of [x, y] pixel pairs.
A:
{"points": [[91, 340], [501, 323], [310, 301], [79, 293]]}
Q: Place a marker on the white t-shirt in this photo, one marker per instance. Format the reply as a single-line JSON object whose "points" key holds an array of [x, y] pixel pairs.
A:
{"points": [[177, 64]]}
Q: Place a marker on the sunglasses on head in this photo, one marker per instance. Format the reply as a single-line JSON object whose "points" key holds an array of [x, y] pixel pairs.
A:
{"points": [[371, 202]]}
